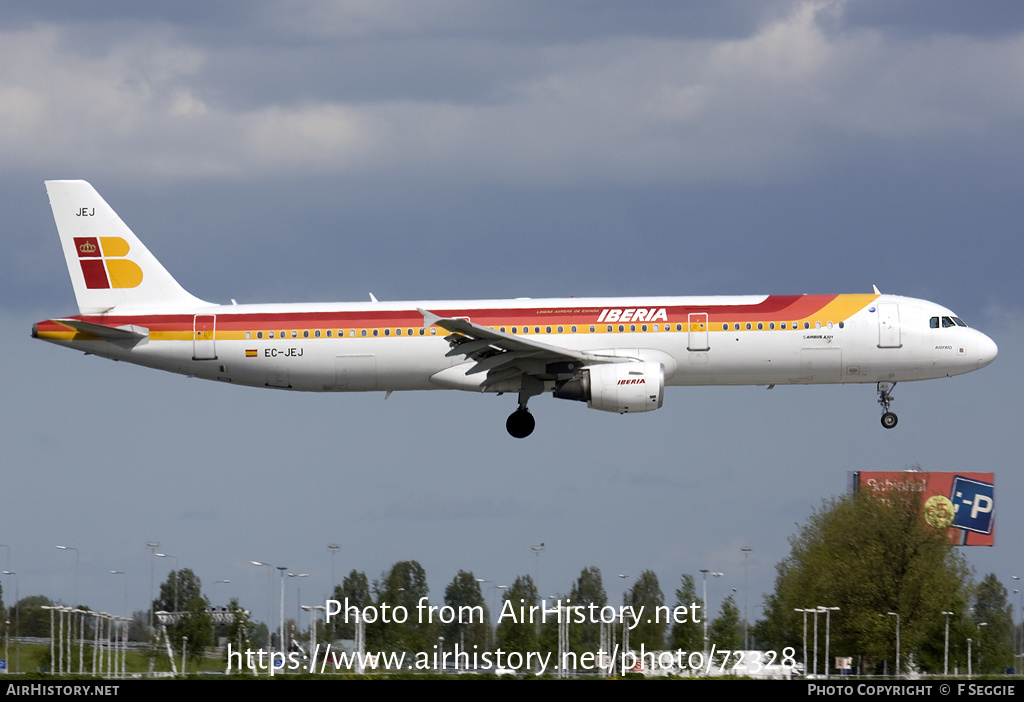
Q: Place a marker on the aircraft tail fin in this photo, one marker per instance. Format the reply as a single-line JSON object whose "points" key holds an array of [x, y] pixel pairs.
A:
{"points": [[110, 268]]}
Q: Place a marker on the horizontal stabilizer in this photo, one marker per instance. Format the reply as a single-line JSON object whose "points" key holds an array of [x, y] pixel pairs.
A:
{"points": [[128, 332]]}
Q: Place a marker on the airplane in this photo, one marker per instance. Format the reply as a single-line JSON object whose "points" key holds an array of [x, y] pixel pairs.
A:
{"points": [[615, 354]]}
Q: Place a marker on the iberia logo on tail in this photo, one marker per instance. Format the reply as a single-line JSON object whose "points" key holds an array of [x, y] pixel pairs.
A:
{"points": [[104, 264]]}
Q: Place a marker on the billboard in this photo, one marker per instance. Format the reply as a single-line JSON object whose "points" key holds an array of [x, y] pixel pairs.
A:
{"points": [[963, 503]]}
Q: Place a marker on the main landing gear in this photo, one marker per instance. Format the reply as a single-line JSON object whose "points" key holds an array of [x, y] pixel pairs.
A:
{"points": [[520, 423], [889, 419]]}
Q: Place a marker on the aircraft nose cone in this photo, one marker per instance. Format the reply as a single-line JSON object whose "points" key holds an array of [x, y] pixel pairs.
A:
{"points": [[987, 351]]}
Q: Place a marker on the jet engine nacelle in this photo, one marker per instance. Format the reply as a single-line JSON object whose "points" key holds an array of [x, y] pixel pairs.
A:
{"points": [[635, 386]]}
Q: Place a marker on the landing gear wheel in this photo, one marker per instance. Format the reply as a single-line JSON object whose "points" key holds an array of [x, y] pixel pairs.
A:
{"points": [[889, 420], [520, 423]]}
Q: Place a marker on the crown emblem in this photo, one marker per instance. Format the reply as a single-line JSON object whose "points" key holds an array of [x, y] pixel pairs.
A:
{"points": [[87, 247]]}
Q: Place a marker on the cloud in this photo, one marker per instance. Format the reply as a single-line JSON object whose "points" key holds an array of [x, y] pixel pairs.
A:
{"points": [[801, 92]]}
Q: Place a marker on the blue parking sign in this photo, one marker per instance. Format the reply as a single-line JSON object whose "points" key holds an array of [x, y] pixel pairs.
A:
{"points": [[973, 505]]}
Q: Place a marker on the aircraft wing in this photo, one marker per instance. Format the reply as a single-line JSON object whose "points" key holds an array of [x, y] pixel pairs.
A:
{"points": [[505, 356]]}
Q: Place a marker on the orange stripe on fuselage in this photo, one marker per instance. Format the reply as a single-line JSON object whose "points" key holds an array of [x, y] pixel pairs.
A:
{"points": [[775, 308]]}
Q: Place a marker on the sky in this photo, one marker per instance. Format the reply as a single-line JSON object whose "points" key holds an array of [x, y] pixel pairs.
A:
{"points": [[324, 151]]}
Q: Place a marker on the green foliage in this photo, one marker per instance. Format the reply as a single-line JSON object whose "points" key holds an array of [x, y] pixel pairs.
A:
{"points": [[994, 624], [869, 555], [725, 631], [182, 593], [586, 591], [35, 621], [356, 588], [513, 635], [688, 635], [471, 624], [646, 593], [241, 632], [402, 586], [180, 588]]}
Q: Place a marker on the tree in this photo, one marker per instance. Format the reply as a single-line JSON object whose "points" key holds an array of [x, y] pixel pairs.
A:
{"points": [[35, 621], [869, 554], [180, 588], [586, 591], [725, 631], [469, 623], [687, 635], [356, 589], [241, 632], [401, 589], [182, 594], [993, 620], [513, 633], [646, 593]]}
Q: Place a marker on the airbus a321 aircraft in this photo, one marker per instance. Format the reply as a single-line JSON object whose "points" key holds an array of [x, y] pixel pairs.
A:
{"points": [[615, 354]]}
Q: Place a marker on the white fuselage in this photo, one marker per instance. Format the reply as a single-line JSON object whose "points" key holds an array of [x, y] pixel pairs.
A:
{"points": [[380, 346]]}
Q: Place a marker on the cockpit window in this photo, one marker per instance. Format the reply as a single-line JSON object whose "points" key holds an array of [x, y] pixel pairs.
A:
{"points": [[944, 322]]}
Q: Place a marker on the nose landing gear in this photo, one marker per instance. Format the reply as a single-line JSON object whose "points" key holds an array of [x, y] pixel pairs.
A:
{"points": [[889, 419]]}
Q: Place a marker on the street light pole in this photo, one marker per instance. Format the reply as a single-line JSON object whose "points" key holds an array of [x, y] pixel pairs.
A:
{"points": [[945, 653], [805, 637], [280, 642], [746, 615], [828, 624], [77, 554], [17, 622], [894, 614], [705, 572], [176, 573]]}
